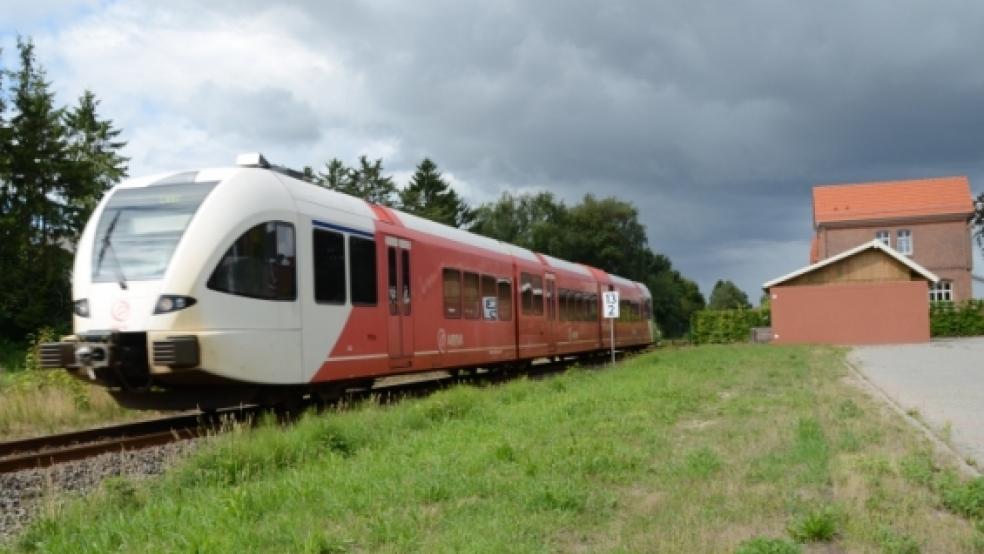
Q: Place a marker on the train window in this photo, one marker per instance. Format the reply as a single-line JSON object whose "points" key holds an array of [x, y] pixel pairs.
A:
{"points": [[593, 308], [562, 303], [551, 304], [505, 300], [405, 265], [580, 307], [329, 267], [452, 293], [391, 288], [532, 289], [362, 270], [260, 264], [470, 295], [488, 298], [526, 292], [647, 309]]}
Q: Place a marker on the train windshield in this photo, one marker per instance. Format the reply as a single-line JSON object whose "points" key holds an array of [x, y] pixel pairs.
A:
{"points": [[140, 228]]}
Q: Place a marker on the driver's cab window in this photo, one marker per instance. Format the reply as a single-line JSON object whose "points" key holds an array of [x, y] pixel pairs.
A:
{"points": [[260, 264]]}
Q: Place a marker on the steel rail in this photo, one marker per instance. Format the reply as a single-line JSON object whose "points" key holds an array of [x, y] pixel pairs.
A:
{"points": [[45, 451]]}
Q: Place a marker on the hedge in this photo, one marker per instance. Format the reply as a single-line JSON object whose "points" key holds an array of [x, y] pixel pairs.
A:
{"points": [[950, 319], [723, 326]]}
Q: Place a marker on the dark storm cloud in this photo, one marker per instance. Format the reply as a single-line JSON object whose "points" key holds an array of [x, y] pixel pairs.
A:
{"points": [[714, 118]]}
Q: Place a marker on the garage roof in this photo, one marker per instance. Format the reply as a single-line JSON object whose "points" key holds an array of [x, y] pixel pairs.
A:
{"points": [[875, 244]]}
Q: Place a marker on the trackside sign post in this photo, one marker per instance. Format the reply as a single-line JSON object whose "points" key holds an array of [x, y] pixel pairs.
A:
{"points": [[610, 311]]}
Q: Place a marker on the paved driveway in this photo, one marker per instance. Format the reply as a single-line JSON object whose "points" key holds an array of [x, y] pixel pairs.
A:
{"points": [[943, 380]]}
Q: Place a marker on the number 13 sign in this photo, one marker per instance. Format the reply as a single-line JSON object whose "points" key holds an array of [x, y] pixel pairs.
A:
{"points": [[610, 303]]}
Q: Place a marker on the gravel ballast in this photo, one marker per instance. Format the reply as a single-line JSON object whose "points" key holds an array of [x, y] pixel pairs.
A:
{"points": [[23, 494]]}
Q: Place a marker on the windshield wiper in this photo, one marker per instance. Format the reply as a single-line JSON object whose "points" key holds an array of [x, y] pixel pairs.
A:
{"points": [[108, 245]]}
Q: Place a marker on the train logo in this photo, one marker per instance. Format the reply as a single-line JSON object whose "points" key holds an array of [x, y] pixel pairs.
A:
{"points": [[442, 341], [120, 310]]}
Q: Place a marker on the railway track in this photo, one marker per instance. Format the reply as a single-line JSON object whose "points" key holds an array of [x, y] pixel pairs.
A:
{"points": [[49, 450], [46, 451]]}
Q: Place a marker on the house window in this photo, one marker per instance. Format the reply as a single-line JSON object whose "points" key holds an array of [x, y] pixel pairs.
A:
{"points": [[882, 236], [903, 241], [941, 291]]}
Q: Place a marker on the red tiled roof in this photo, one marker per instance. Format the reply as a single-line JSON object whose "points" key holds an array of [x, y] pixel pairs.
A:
{"points": [[892, 199]]}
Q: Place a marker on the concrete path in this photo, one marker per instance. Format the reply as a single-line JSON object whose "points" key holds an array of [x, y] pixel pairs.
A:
{"points": [[942, 380]]}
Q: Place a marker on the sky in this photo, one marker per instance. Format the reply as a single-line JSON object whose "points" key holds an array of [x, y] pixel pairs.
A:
{"points": [[715, 119]]}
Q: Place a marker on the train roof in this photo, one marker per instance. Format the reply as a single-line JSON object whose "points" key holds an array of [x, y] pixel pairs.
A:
{"points": [[302, 189]]}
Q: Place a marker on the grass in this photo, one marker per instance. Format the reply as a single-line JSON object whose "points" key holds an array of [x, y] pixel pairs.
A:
{"points": [[713, 449], [35, 401]]}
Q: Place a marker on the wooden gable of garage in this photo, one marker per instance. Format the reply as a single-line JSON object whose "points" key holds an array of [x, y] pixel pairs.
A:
{"points": [[871, 262]]}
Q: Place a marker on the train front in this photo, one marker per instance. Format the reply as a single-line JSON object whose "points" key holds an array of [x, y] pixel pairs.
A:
{"points": [[140, 281]]}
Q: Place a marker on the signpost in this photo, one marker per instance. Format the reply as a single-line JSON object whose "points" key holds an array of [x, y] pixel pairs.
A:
{"points": [[610, 311]]}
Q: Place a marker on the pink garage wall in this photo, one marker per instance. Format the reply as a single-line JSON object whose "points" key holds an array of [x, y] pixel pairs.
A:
{"points": [[851, 313]]}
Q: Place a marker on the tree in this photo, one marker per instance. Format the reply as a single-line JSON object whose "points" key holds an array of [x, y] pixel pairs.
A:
{"points": [[366, 181], [336, 177], [95, 163], [532, 221], [727, 296], [429, 196], [54, 165]]}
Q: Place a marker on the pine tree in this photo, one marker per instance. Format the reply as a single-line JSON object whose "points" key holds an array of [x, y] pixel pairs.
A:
{"points": [[35, 272], [727, 296], [336, 176], [367, 182], [428, 195], [54, 166], [94, 161]]}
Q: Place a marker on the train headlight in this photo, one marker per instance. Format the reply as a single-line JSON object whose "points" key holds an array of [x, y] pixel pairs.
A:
{"points": [[81, 307], [168, 303]]}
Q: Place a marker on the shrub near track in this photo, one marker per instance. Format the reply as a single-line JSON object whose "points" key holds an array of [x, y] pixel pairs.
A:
{"points": [[710, 449]]}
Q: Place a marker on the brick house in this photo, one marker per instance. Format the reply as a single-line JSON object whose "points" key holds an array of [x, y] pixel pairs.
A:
{"points": [[925, 219]]}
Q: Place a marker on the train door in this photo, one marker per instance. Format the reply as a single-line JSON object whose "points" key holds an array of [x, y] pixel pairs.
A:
{"points": [[399, 298], [550, 292]]}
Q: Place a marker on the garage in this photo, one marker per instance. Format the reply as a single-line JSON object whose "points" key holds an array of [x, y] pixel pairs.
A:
{"points": [[870, 294]]}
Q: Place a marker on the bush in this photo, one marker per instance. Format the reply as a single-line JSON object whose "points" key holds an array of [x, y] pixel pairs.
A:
{"points": [[819, 525], [725, 326], [761, 545], [35, 378], [966, 499], [949, 319]]}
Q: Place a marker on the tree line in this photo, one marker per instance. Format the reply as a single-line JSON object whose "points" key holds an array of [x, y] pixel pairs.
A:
{"points": [[56, 162]]}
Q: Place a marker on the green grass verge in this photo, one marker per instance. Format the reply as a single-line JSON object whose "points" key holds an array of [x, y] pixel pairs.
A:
{"points": [[34, 401], [710, 449]]}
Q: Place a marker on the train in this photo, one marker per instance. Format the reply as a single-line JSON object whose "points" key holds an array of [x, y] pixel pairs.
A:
{"points": [[249, 283]]}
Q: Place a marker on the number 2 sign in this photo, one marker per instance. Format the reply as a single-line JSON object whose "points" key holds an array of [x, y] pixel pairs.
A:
{"points": [[610, 304]]}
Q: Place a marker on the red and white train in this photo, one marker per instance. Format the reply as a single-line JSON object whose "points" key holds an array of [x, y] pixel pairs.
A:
{"points": [[248, 283]]}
